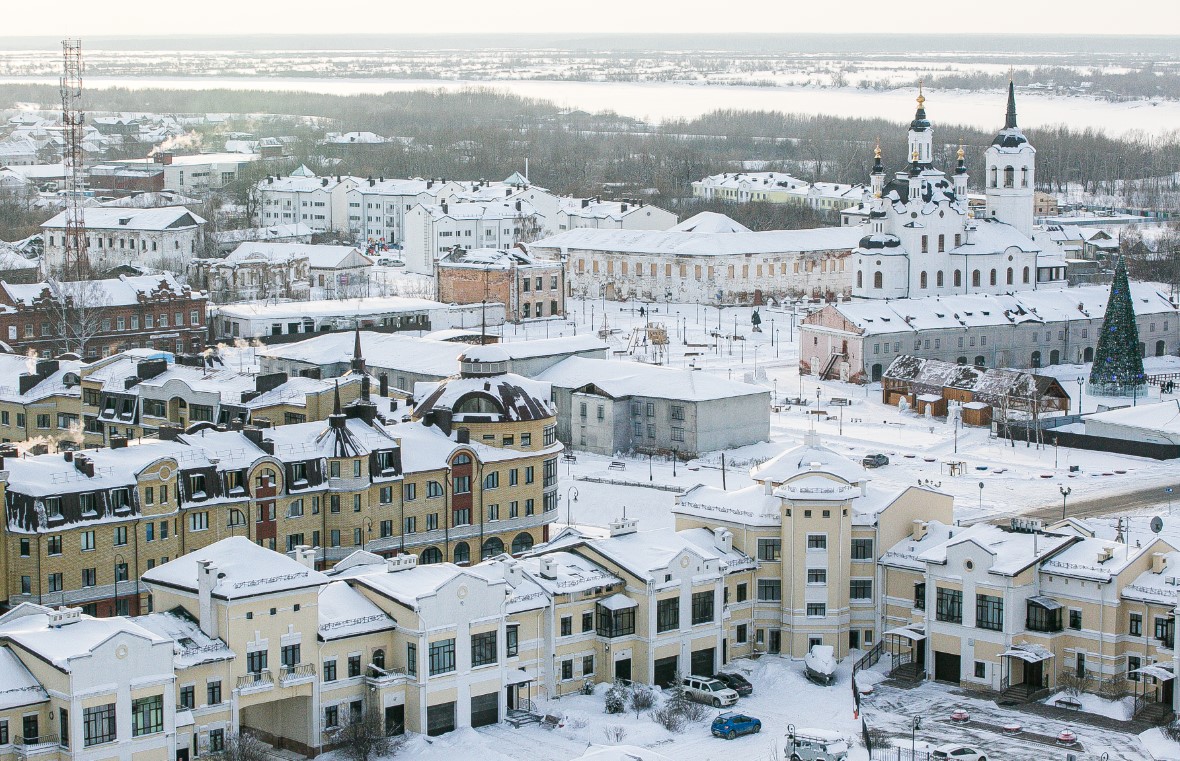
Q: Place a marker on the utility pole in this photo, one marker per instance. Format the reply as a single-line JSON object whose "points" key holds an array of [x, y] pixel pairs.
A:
{"points": [[75, 264]]}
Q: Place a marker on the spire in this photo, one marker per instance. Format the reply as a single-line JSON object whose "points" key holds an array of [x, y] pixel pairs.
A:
{"points": [[1010, 119], [336, 407], [358, 359], [920, 122], [337, 419], [877, 166], [961, 168]]}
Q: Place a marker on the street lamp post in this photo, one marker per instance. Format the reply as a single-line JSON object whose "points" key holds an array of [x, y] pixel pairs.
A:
{"points": [[119, 560], [917, 724], [1081, 385], [650, 477], [675, 457], [1065, 492], [573, 490], [981, 496], [367, 525]]}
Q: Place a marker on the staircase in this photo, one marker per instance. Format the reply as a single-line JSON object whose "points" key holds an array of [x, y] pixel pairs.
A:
{"points": [[1154, 713], [832, 360], [908, 672], [524, 715], [1018, 693]]}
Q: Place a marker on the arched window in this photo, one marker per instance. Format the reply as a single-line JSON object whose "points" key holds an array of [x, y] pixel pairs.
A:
{"points": [[980, 361], [462, 553], [860, 279], [523, 542], [938, 280], [434, 489], [958, 279], [1160, 349], [1142, 349], [1024, 177], [877, 281], [941, 243], [995, 177], [1088, 354], [461, 459], [876, 373], [1009, 177], [379, 658], [430, 555], [1036, 359], [1010, 276], [961, 360], [1026, 274], [975, 278], [922, 280], [491, 548], [992, 278]]}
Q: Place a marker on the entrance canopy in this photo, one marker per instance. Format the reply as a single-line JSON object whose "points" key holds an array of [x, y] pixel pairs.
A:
{"points": [[1159, 672], [516, 676], [905, 632], [1028, 653]]}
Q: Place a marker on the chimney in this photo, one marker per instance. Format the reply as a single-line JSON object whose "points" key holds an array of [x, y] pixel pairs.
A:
{"points": [[118, 442], [163, 157], [47, 367], [444, 207], [429, 184], [919, 531], [547, 563], [305, 556], [585, 202], [169, 432], [507, 192], [68, 455], [623, 526], [401, 562], [1159, 562], [268, 381], [324, 183], [518, 205], [723, 539], [512, 573], [383, 385], [206, 582], [463, 436], [623, 207], [372, 182]]}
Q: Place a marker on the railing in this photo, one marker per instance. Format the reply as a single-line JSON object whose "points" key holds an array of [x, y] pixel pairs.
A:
{"points": [[32, 742], [297, 672], [256, 680], [869, 659], [378, 677], [1140, 703]]}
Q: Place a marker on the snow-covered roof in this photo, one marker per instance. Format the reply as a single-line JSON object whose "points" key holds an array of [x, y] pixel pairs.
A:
{"points": [[345, 612], [987, 384], [809, 456], [642, 553], [566, 573], [244, 569], [1162, 417], [493, 259], [29, 626], [425, 448], [1162, 588], [193, 646], [410, 586], [480, 210], [517, 397], [709, 222], [273, 232], [1013, 551], [18, 687], [908, 552], [305, 441], [438, 358], [751, 505], [124, 290], [51, 474], [541, 347], [673, 243], [619, 379], [12, 366], [155, 219], [1087, 559], [304, 183], [318, 256], [199, 159], [753, 181], [321, 308]]}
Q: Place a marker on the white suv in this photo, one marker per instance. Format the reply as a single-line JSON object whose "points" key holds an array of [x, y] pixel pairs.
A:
{"points": [[704, 689]]}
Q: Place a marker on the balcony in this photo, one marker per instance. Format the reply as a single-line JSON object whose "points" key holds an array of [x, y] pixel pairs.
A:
{"points": [[300, 673], [27, 747], [384, 677], [256, 681]]}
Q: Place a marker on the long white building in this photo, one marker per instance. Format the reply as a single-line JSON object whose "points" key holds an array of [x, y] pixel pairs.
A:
{"points": [[164, 238], [434, 230]]}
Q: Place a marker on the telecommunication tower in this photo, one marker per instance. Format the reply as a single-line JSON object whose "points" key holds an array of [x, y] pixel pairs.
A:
{"points": [[76, 261]]}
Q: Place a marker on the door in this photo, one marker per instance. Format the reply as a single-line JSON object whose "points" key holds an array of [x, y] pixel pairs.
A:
{"points": [[702, 662], [1166, 697], [1033, 673], [947, 667], [724, 651], [776, 641], [395, 721], [485, 709], [30, 731], [665, 671], [623, 669], [920, 655], [440, 719], [854, 639], [182, 754]]}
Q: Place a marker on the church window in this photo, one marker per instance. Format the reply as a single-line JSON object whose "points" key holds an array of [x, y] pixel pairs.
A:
{"points": [[1026, 274], [1010, 277], [958, 240], [992, 278], [1009, 177], [922, 280], [938, 279], [1024, 177], [995, 177], [925, 243], [941, 243], [975, 278], [958, 279], [877, 280], [860, 280]]}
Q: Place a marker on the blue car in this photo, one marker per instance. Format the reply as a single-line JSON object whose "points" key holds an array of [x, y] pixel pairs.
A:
{"points": [[730, 725]]}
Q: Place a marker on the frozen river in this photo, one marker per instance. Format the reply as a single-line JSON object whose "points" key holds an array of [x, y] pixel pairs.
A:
{"points": [[660, 101]]}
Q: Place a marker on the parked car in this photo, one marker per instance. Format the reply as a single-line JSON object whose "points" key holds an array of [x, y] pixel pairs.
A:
{"points": [[874, 460], [704, 689], [956, 752], [729, 725], [735, 682], [820, 664], [816, 745]]}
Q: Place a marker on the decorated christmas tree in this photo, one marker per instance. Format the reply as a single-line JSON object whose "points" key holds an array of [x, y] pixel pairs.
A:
{"points": [[1118, 363]]}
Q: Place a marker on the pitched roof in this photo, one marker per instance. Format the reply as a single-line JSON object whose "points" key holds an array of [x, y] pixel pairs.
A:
{"points": [[243, 570], [105, 217], [619, 379], [677, 243]]}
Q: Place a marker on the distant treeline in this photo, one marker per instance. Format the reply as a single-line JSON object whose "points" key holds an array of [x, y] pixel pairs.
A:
{"points": [[484, 133]]}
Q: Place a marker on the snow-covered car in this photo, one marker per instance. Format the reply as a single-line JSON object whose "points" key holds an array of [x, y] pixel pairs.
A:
{"points": [[735, 682], [816, 745], [957, 752], [705, 689], [729, 725]]}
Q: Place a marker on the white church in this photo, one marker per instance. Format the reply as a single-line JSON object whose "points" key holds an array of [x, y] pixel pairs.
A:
{"points": [[923, 241]]}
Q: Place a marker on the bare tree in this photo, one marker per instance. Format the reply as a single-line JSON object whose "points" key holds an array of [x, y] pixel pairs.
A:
{"points": [[76, 310], [367, 737], [242, 747], [529, 226]]}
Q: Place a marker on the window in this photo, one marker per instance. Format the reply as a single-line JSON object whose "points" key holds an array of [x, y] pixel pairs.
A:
{"points": [[587, 621], [817, 576], [677, 412], [1043, 617], [432, 522], [256, 661], [667, 615], [354, 665], [702, 608], [1133, 663], [770, 590], [55, 582], [1136, 627], [949, 605], [511, 641], [87, 541], [213, 692], [980, 670], [1075, 618], [817, 541], [147, 716], [483, 649], [332, 716], [53, 545], [567, 626], [989, 612], [121, 535], [188, 696], [89, 577], [860, 589], [816, 610], [862, 549], [920, 595], [618, 623], [433, 489], [770, 549], [198, 521], [442, 657], [567, 669], [98, 725], [742, 592], [587, 665]]}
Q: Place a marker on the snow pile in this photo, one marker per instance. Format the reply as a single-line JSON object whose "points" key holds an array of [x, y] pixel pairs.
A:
{"points": [[1159, 746], [1120, 709]]}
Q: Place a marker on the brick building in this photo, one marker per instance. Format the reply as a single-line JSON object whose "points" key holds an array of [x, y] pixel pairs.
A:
{"points": [[102, 317], [530, 288]]}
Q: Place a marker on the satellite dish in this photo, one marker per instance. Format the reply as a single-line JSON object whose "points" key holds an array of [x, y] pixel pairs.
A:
{"points": [[1157, 524]]}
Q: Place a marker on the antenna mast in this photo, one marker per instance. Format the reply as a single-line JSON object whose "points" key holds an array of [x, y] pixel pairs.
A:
{"points": [[75, 262]]}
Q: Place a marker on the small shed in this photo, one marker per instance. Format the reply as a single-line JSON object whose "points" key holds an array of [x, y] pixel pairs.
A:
{"points": [[977, 413], [935, 403]]}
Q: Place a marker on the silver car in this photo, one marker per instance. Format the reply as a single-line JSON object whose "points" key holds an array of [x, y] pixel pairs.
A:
{"points": [[707, 690]]}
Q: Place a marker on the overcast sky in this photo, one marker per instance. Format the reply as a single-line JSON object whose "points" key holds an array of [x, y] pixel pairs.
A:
{"points": [[154, 18]]}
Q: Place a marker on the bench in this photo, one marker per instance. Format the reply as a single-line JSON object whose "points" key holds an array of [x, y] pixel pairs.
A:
{"points": [[1068, 703], [551, 721], [617, 465]]}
